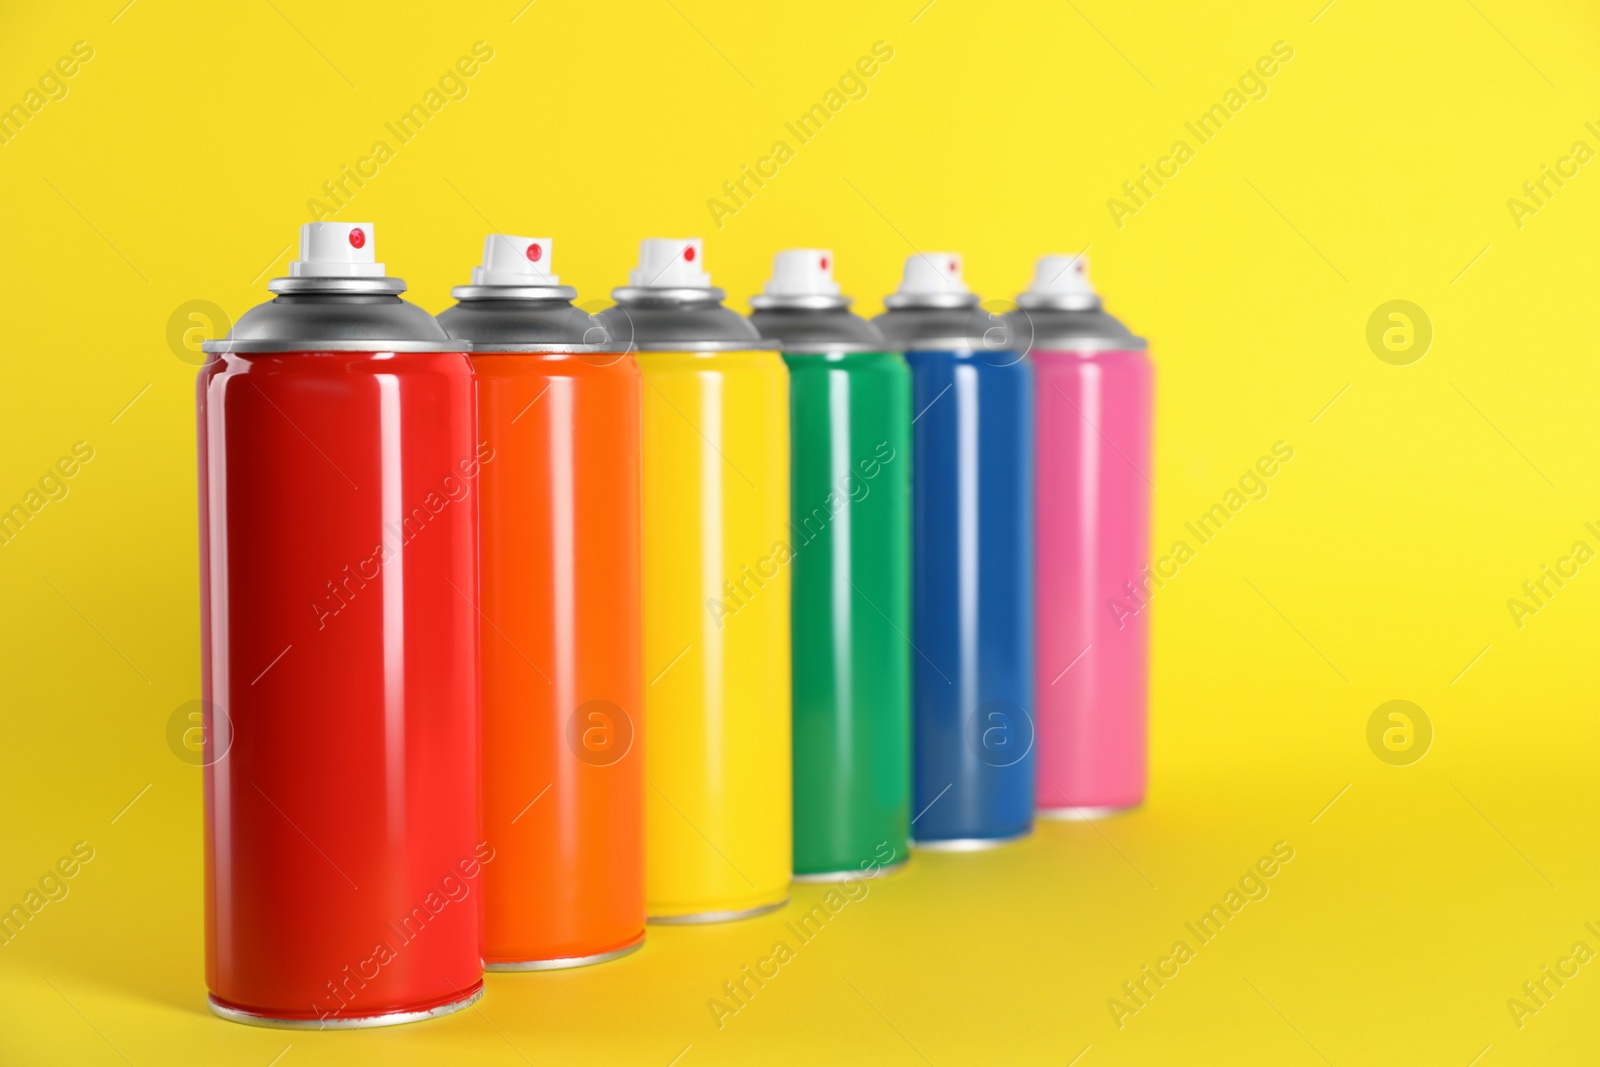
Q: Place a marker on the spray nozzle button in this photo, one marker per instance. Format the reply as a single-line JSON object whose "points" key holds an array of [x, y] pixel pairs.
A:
{"points": [[932, 274], [669, 263], [1062, 276], [519, 261], [337, 250], [802, 272]]}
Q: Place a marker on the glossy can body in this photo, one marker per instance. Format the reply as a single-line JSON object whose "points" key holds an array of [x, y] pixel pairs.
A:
{"points": [[972, 591], [716, 600], [563, 768], [1093, 523], [851, 496], [338, 502]]}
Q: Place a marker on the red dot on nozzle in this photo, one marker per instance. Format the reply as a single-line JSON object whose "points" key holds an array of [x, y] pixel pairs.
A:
{"points": [[953, 266], [824, 262], [357, 238], [688, 253], [535, 253]]}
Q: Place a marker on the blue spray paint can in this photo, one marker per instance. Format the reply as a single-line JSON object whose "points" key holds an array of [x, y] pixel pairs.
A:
{"points": [[972, 560]]}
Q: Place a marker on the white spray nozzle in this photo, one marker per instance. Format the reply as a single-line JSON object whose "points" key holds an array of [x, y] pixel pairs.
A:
{"points": [[336, 250], [669, 263], [509, 260], [933, 274], [1062, 276], [802, 272]]}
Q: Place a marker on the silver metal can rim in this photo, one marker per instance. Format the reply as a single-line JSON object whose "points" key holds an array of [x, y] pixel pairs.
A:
{"points": [[701, 918], [949, 344], [969, 844], [1069, 344], [838, 348], [562, 963], [1085, 814], [816, 302], [384, 286], [831, 877], [706, 346], [1052, 302], [514, 292], [643, 294], [895, 301], [359, 1022], [512, 348], [258, 347]]}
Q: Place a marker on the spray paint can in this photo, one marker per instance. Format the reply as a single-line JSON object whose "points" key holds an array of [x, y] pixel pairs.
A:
{"points": [[339, 467], [716, 592], [1093, 534], [972, 561], [850, 494], [563, 763]]}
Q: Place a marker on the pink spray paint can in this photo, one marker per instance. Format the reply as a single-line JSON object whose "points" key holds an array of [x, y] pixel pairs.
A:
{"points": [[1092, 542]]}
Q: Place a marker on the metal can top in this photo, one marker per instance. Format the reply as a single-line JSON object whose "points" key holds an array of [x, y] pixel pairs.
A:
{"points": [[933, 310], [336, 299], [1060, 310], [808, 328], [803, 310], [670, 305], [515, 304], [1044, 328], [967, 328]]}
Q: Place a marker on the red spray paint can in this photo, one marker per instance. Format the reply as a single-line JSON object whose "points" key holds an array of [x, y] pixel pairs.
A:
{"points": [[339, 465]]}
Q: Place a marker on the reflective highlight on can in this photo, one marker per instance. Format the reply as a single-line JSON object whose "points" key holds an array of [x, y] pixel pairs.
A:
{"points": [[1094, 484], [561, 629], [850, 406], [339, 473], [972, 562], [716, 594]]}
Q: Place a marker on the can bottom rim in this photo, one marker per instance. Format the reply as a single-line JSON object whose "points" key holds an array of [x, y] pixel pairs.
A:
{"points": [[1085, 814], [352, 1022], [822, 877], [699, 917], [968, 844], [561, 963]]}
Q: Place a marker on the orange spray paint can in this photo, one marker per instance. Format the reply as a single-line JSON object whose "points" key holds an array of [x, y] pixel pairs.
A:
{"points": [[563, 760]]}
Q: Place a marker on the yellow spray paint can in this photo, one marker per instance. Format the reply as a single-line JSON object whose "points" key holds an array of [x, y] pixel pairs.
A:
{"points": [[716, 594]]}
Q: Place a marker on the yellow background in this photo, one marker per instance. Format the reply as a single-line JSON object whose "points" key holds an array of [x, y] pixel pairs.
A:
{"points": [[1378, 568]]}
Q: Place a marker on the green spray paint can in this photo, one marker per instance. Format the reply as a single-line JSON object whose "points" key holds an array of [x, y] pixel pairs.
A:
{"points": [[850, 521]]}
